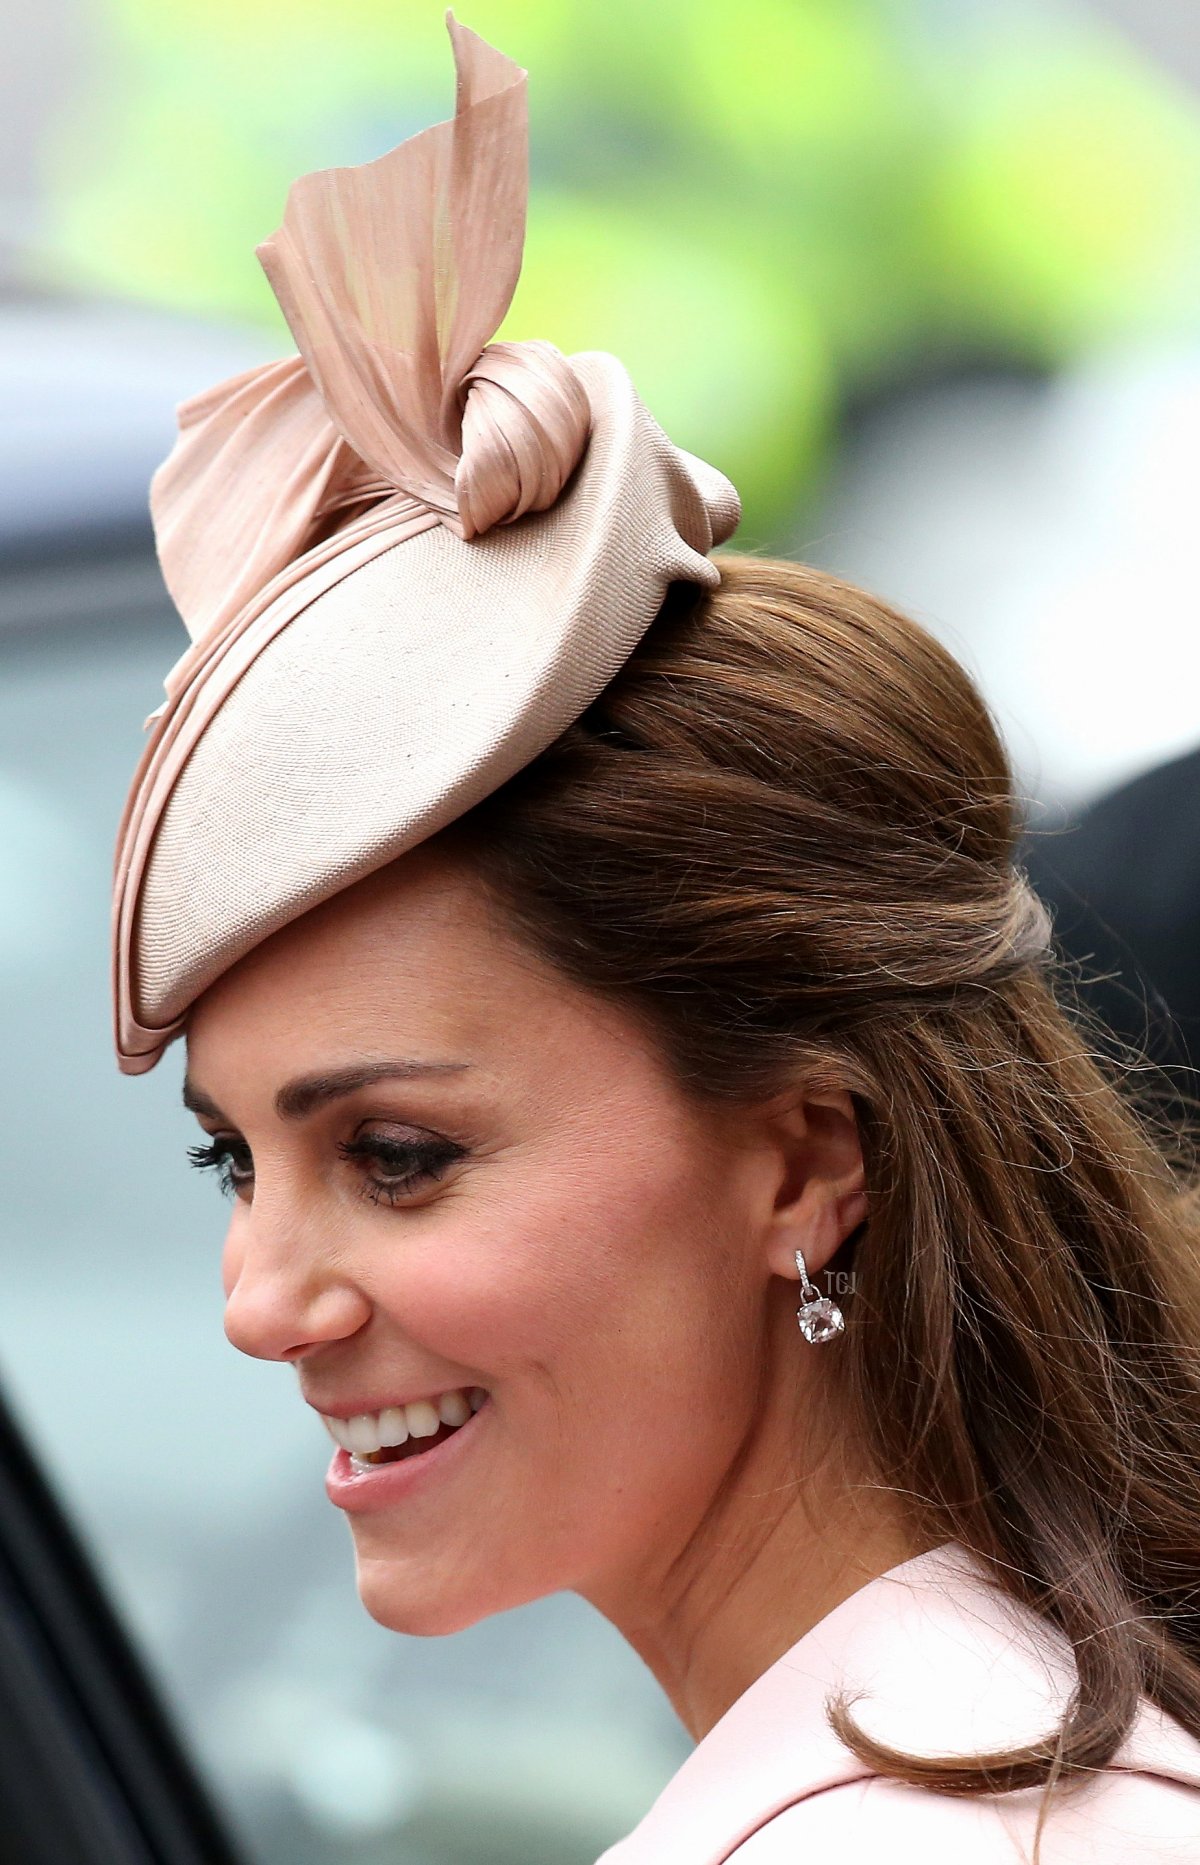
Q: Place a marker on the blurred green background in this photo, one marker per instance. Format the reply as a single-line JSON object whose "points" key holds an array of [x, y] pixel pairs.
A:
{"points": [[766, 209]]}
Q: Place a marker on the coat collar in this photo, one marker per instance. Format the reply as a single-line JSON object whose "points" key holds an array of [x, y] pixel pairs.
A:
{"points": [[947, 1664]]}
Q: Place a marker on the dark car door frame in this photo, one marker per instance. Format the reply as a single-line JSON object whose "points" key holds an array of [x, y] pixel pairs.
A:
{"points": [[92, 1770]]}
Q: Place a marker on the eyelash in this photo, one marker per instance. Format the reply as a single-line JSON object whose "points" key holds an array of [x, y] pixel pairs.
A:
{"points": [[411, 1164]]}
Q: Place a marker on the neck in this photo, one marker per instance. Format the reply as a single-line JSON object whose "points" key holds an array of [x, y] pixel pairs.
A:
{"points": [[794, 1530]]}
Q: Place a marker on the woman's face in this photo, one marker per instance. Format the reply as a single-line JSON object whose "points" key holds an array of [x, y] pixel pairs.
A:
{"points": [[454, 1169]]}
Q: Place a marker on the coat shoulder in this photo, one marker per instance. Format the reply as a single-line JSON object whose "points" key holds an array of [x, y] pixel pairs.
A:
{"points": [[1118, 1817]]}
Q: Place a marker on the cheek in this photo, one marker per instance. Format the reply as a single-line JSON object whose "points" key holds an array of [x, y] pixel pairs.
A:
{"points": [[610, 1288], [498, 1283]]}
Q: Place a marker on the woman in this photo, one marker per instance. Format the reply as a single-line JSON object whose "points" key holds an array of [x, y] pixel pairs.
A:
{"points": [[581, 941]]}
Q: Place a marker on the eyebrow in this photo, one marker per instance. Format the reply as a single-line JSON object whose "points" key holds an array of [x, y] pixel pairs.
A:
{"points": [[303, 1096]]}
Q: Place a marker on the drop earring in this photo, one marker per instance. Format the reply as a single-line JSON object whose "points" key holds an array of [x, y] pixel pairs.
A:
{"points": [[819, 1317]]}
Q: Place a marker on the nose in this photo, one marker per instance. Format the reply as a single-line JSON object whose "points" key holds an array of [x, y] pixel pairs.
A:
{"points": [[284, 1292]]}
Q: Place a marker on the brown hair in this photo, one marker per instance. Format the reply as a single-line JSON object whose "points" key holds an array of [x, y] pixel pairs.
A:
{"points": [[786, 835]]}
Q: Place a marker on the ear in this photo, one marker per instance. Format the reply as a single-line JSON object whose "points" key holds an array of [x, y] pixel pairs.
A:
{"points": [[821, 1194]]}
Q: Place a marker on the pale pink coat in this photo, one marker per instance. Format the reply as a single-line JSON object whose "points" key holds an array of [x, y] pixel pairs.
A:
{"points": [[950, 1667]]}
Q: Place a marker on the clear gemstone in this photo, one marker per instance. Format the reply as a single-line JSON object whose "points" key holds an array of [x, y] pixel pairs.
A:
{"points": [[820, 1320]]}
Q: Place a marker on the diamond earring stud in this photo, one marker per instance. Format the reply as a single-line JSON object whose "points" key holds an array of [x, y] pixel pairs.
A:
{"points": [[819, 1317]]}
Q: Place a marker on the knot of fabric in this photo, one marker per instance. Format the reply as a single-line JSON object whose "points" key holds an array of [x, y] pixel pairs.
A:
{"points": [[525, 424]]}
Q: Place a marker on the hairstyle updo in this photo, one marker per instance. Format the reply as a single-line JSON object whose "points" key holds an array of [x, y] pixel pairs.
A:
{"points": [[785, 836]]}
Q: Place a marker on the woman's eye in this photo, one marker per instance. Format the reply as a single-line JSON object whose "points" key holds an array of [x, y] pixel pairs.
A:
{"points": [[392, 1169], [228, 1158]]}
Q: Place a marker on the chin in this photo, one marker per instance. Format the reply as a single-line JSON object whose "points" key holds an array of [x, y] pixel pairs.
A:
{"points": [[398, 1596]]}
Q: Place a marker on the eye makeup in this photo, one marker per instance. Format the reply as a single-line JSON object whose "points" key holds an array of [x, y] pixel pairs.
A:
{"points": [[401, 1165], [389, 1168]]}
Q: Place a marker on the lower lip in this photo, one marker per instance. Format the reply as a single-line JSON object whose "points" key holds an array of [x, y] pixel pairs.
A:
{"points": [[381, 1486]]}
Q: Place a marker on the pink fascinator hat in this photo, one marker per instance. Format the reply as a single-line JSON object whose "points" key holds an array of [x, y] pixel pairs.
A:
{"points": [[407, 557]]}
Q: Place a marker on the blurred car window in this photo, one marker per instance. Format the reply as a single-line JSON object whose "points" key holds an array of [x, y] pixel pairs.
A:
{"points": [[196, 1474]]}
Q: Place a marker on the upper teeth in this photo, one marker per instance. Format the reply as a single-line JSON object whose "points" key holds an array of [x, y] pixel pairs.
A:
{"points": [[373, 1431]]}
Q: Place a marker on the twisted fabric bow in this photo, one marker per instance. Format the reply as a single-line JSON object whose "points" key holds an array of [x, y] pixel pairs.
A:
{"points": [[392, 276]]}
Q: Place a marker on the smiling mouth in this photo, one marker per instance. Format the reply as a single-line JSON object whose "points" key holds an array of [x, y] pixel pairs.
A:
{"points": [[399, 1432]]}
